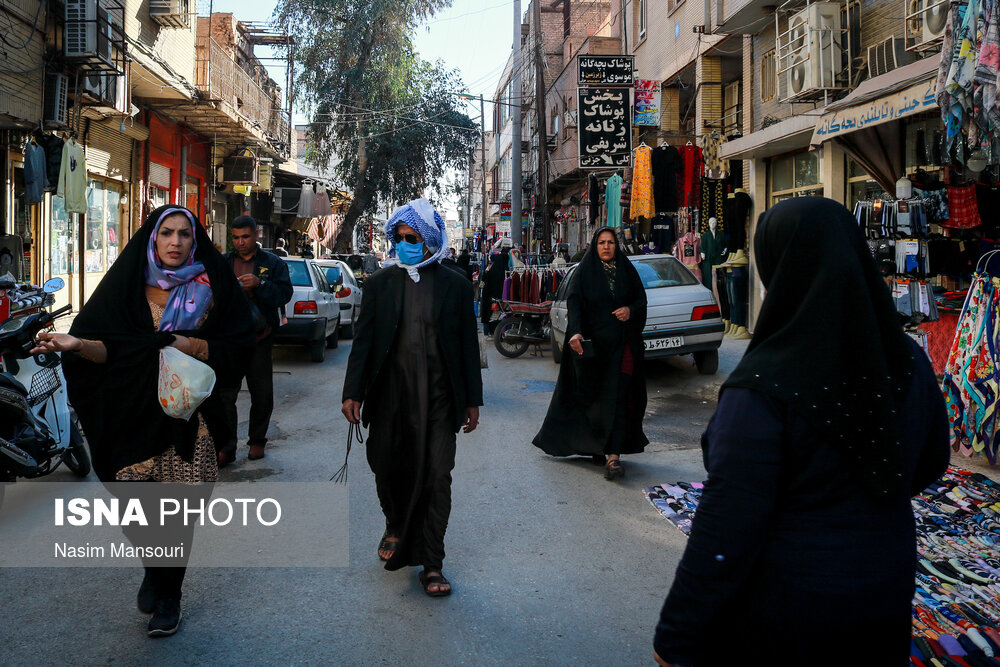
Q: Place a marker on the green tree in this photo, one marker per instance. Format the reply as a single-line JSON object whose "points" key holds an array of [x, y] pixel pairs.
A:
{"points": [[391, 118]]}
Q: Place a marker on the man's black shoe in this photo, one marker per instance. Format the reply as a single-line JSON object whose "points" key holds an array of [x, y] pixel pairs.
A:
{"points": [[145, 600], [166, 618]]}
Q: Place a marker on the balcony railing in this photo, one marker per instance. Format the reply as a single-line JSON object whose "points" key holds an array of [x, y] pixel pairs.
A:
{"points": [[220, 78]]}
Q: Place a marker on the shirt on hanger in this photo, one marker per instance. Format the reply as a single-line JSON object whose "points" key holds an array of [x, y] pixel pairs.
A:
{"points": [[35, 177], [612, 199], [73, 177]]}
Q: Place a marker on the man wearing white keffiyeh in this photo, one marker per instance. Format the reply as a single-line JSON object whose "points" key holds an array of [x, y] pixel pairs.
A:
{"points": [[414, 369]]}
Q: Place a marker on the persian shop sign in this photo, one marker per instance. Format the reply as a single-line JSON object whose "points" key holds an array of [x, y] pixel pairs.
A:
{"points": [[604, 70], [646, 106], [916, 99]]}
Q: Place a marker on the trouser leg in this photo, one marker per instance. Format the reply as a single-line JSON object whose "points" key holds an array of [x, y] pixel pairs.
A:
{"points": [[228, 419], [440, 463], [260, 382]]}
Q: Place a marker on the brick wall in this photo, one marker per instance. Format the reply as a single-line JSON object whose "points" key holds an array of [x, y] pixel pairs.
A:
{"points": [[20, 88], [669, 44]]}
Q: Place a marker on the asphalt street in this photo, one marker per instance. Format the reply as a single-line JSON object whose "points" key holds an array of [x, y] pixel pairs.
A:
{"points": [[550, 563]]}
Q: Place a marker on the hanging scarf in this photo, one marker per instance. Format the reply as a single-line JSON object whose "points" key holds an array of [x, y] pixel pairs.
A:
{"points": [[610, 273], [420, 215], [190, 291]]}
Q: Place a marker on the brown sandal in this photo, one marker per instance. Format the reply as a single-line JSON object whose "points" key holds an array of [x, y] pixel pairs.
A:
{"points": [[613, 469]]}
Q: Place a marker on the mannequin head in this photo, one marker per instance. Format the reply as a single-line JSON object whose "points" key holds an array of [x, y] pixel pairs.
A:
{"points": [[713, 224]]}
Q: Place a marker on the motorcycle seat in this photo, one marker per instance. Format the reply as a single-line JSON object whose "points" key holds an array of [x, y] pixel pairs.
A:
{"points": [[10, 382]]}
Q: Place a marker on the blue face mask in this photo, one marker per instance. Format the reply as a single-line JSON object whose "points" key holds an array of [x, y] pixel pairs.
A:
{"points": [[409, 253]]}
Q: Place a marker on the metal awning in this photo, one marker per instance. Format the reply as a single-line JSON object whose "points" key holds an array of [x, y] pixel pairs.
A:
{"points": [[788, 135], [903, 92]]}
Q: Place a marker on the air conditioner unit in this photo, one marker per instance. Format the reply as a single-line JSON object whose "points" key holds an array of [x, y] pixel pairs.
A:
{"points": [[887, 56], [240, 170], [88, 31], [813, 58], [56, 93], [286, 200], [926, 21], [106, 90], [170, 13]]}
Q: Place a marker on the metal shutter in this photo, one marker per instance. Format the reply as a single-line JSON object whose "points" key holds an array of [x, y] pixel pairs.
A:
{"points": [[109, 152], [159, 175]]}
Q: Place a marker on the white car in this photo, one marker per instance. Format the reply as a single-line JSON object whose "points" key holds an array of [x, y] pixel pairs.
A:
{"points": [[348, 291], [682, 316], [313, 314]]}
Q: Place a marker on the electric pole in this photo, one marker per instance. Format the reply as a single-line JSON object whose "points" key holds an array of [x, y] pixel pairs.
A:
{"points": [[482, 166], [540, 116], [515, 145]]}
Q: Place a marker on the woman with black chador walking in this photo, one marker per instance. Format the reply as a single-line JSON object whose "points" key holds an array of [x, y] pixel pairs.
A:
{"points": [[492, 288], [600, 398], [169, 287], [830, 423]]}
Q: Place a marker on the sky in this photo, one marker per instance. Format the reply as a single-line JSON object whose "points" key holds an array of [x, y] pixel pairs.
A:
{"points": [[473, 36]]}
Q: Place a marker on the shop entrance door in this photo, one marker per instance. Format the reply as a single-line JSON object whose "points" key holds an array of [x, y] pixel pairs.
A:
{"points": [[65, 254]]}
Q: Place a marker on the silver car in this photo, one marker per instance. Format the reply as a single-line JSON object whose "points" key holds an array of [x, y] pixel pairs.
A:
{"points": [[347, 290], [313, 314], [682, 314]]}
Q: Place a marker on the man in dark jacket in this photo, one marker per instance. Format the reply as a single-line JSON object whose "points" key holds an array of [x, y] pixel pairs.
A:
{"points": [[414, 369], [265, 281]]}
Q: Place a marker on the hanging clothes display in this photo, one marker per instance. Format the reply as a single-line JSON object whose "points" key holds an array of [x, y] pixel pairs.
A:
{"points": [[962, 207], [738, 206], [663, 233], [35, 176], [713, 199], [970, 385], [968, 74], [641, 201], [52, 144], [321, 203], [307, 201], [532, 284], [689, 180], [688, 250], [594, 199], [666, 166], [612, 200], [73, 177], [715, 167]]}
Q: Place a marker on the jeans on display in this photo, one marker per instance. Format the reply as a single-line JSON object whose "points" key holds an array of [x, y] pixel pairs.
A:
{"points": [[738, 286], [722, 289]]}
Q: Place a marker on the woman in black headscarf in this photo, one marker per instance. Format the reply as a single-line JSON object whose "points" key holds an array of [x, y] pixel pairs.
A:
{"points": [[169, 287], [600, 398], [492, 288], [828, 426]]}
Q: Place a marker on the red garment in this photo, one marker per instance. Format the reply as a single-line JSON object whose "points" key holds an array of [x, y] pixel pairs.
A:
{"points": [[628, 363], [689, 176], [963, 212]]}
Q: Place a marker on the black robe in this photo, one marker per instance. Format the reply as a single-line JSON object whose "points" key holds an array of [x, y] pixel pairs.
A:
{"points": [[415, 366], [584, 415], [117, 401]]}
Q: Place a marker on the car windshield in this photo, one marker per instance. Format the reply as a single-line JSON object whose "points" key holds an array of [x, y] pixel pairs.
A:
{"points": [[298, 273], [663, 272]]}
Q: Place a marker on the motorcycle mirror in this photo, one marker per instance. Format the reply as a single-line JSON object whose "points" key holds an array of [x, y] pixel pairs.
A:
{"points": [[53, 285]]}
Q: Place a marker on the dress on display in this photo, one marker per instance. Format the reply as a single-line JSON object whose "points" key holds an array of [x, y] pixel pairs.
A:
{"points": [[612, 199], [641, 202], [666, 165]]}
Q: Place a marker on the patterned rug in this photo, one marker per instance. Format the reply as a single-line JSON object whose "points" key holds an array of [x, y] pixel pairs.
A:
{"points": [[956, 608]]}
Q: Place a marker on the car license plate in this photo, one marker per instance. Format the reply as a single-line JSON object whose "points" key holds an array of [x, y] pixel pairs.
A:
{"points": [[664, 343]]}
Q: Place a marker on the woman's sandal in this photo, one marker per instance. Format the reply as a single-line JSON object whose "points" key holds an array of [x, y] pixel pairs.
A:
{"points": [[386, 545], [613, 469], [426, 580]]}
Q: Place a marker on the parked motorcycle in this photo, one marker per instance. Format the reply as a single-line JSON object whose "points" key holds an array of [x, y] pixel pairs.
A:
{"points": [[521, 325], [37, 431]]}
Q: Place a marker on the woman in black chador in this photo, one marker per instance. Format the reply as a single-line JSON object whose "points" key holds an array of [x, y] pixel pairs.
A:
{"points": [[169, 287], [600, 398], [828, 426]]}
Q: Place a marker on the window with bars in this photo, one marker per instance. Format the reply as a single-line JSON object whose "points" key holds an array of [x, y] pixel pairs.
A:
{"points": [[768, 77]]}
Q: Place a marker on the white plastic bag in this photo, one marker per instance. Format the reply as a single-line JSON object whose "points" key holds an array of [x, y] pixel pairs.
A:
{"points": [[184, 383]]}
